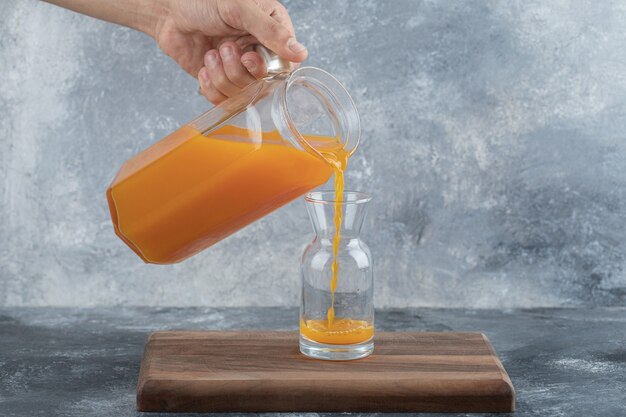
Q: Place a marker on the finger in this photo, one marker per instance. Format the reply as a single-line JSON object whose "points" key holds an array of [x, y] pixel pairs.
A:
{"points": [[246, 41], [254, 64], [281, 15], [218, 77], [207, 89], [231, 53], [271, 33]]}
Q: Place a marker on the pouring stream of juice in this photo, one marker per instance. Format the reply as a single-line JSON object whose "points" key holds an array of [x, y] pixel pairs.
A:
{"points": [[337, 330], [339, 161]]}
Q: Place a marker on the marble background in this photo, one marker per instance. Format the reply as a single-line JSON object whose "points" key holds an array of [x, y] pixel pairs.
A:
{"points": [[493, 141]]}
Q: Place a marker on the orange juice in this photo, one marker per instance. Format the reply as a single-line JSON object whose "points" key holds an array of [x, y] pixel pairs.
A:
{"points": [[341, 332], [339, 161], [190, 191]]}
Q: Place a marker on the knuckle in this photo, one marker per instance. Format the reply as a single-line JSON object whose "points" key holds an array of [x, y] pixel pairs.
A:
{"points": [[236, 72], [230, 12], [272, 26], [237, 79], [282, 8], [218, 78], [212, 95], [280, 11]]}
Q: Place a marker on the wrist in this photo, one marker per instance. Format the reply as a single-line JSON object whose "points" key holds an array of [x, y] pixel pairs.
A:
{"points": [[149, 15]]}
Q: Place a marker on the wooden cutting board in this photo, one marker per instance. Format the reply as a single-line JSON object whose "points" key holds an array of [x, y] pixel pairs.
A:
{"points": [[264, 371]]}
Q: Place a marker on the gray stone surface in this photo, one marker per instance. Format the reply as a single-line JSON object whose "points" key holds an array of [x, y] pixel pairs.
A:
{"points": [[85, 362], [493, 144]]}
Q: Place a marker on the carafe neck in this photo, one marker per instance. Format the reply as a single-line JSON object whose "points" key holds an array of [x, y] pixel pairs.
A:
{"points": [[310, 106], [323, 209]]}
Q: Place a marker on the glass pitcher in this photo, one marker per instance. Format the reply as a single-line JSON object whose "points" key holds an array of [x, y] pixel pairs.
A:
{"points": [[242, 159]]}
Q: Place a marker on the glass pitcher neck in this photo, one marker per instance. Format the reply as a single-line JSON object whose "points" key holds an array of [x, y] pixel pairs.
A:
{"points": [[311, 103]]}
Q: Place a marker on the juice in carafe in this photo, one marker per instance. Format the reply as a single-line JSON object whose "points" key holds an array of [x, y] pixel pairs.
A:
{"points": [[190, 191]]}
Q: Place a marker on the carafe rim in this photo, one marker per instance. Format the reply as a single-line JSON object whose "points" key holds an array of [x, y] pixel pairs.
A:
{"points": [[329, 197], [343, 108]]}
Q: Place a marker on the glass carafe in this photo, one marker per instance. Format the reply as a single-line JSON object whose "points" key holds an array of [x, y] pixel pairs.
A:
{"points": [[349, 332], [234, 164]]}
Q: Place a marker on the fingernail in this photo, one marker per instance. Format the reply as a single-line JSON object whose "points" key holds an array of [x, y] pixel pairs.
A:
{"points": [[211, 60], [203, 76], [226, 52], [295, 46], [250, 65]]}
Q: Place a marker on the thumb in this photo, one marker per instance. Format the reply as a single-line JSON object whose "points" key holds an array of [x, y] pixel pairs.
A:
{"points": [[271, 33]]}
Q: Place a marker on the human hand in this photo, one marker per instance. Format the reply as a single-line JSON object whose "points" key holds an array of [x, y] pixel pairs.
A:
{"points": [[207, 39]]}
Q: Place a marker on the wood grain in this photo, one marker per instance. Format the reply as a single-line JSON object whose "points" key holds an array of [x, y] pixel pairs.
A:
{"points": [[264, 371]]}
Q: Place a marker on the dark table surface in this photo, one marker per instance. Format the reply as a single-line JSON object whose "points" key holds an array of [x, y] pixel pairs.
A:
{"points": [[85, 362]]}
